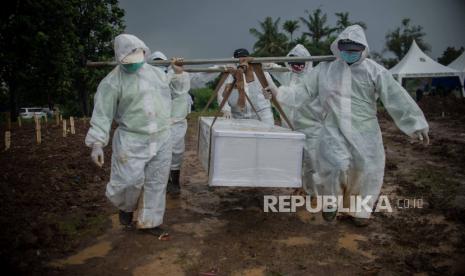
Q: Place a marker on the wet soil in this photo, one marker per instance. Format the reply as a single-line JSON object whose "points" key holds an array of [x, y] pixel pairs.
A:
{"points": [[56, 220]]}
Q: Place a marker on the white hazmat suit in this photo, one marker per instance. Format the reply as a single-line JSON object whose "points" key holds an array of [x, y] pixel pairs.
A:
{"points": [[140, 103], [349, 148], [305, 120], [254, 92], [181, 107]]}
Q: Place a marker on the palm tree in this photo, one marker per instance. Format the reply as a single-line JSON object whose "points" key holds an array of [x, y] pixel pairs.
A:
{"points": [[302, 40], [399, 40], [316, 25], [270, 42], [344, 22], [291, 26]]}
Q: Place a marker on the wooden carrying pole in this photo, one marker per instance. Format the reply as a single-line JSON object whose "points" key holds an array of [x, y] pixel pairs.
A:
{"points": [[221, 61], [257, 68]]}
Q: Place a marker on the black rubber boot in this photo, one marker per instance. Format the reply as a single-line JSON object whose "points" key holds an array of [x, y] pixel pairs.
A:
{"points": [[173, 185], [329, 216], [125, 218], [360, 222], [155, 231]]}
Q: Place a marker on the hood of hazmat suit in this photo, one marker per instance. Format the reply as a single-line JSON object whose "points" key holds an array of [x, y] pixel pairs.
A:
{"points": [[349, 148], [140, 104], [158, 55], [291, 77], [300, 51], [126, 44]]}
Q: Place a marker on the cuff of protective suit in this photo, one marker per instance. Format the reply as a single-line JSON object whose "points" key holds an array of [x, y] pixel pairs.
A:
{"points": [[97, 145], [418, 127], [92, 139], [181, 81], [180, 77]]}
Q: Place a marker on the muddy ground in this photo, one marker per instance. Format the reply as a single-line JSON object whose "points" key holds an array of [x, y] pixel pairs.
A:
{"points": [[55, 219]]}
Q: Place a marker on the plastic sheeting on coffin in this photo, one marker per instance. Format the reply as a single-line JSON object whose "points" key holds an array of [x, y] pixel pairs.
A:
{"points": [[249, 153]]}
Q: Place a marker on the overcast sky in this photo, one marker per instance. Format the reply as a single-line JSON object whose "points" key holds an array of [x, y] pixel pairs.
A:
{"points": [[214, 28]]}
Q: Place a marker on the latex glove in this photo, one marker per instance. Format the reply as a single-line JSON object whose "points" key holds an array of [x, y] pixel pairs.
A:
{"points": [[269, 92], [176, 64], [97, 154], [422, 136], [227, 114]]}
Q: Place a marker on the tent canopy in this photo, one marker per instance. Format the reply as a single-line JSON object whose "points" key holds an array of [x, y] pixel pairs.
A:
{"points": [[417, 64], [459, 63]]}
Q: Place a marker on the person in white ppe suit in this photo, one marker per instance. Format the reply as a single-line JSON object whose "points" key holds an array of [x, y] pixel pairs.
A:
{"points": [[306, 121], [350, 153], [181, 107], [253, 91], [297, 70], [138, 97]]}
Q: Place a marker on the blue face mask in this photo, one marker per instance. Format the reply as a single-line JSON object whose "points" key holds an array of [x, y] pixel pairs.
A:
{"points": [[132, 67], [351, 56]]}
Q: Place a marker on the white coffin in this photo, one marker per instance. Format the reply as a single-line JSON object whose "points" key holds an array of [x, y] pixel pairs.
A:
{"points": [[248, 153]]}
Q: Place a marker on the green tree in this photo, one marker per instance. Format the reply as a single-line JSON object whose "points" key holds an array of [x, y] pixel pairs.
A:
{"points": [[291, 26], [344, 22], [270, 41], [44, 45], [449, 55], [317, 26], [302, 39], [97, 23], [399, 41]]}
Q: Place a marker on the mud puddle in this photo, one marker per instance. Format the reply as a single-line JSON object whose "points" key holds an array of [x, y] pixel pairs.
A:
{"points": [[350, 242]]}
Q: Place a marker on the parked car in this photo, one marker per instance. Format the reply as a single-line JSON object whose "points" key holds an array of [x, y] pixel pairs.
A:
{"points": [[48, 111], [30, 112]]}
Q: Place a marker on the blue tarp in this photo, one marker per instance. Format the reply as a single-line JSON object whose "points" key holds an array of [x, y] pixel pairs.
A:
{"points": [[446, 82]]}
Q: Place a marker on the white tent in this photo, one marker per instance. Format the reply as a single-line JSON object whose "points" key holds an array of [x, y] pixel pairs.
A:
{"points": [[416, 64], [459, 65]]}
